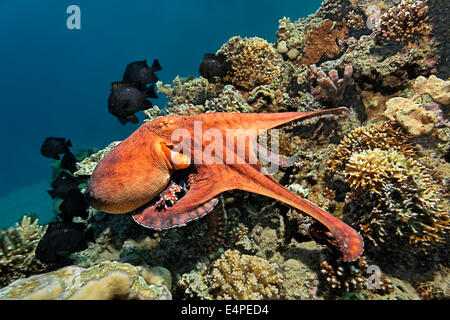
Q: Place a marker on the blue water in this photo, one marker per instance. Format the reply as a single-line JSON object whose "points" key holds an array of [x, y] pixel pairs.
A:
{"points": [[55, 81]]}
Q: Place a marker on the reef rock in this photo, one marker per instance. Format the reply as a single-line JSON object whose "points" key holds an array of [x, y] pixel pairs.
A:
{"points": [[437, 88], [104, 281], [410, 115]]}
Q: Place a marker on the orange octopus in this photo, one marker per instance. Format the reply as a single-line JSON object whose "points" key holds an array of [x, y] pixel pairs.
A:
{"points": [[153, 160]]}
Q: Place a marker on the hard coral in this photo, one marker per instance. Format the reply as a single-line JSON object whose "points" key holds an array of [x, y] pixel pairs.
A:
{"points": [[406, 21], [329, 87], [352, 277], [324, 41], [254, 62], [383, 136], [104, 281], [393, 194], [245, 277], [17, 247]]}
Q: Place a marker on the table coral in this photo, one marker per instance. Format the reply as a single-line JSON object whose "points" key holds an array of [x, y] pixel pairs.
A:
{"points": [[104, 281], [17, 247], [406, 21], [254, 62], [245, 277]]}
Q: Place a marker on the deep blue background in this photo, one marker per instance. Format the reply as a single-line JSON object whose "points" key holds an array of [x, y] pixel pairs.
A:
{"points": [[55, 81]]}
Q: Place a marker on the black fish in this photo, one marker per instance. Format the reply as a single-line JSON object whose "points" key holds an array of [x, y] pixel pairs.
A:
{"points": [[139, 74], [125, 100], [53, 147], [59, 241], [69, 161], [74, 205], [214, 66], [62, 185]]}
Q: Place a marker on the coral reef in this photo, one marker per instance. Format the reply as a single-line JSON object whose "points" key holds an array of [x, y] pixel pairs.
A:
{"points": [[254, 62], [438, 89], [414, 116], [104, 281], [88, 164], [406, 21], [388, 179], [353, 277], [324, 41], [17, 248], [243, 277], [329, 87], [404, 197], [410, 115]]}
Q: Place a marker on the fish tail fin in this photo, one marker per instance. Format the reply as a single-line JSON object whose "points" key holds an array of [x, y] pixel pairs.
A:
{"points": [[150, 92], [156, 66]]}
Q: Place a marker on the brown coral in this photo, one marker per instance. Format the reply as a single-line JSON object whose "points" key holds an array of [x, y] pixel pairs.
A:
{"points": [[330, 88], [406, 21], [352, 276], [254, 62], [324, 41]]}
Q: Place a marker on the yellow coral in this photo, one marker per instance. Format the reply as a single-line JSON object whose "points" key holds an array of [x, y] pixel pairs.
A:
{"points": [[410, 115], [254, 62], [437, 88], [17, 246], [405, 198], [369, 169], [244, 277], [383, 136]]}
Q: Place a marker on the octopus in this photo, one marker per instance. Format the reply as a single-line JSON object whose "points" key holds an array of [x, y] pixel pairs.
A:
{"points": [[172, 170]]}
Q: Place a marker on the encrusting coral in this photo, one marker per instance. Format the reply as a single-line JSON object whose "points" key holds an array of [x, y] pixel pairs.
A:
{"points": [[17, 247], [104, 281], [245, 277], [403, 22], [324, 41], [414, 116]]}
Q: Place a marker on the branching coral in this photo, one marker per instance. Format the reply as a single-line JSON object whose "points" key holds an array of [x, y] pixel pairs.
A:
{"points": [[353, 277], [392, 193], [187, 91], [236, 276], [254, 62], [329, 87], [17, 246], [383, 136], [403, 22]]}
